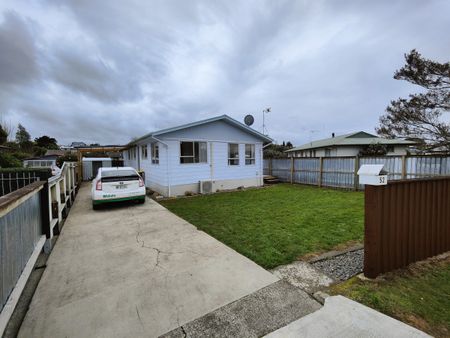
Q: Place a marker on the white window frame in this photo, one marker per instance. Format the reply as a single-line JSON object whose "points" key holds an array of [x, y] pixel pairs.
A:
{"points": [[144, 152], [155, 153], [251, 160], [232, 161], [193, 152]]}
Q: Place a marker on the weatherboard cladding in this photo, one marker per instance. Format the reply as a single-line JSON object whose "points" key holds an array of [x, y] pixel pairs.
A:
{"points": [[218, 134]]}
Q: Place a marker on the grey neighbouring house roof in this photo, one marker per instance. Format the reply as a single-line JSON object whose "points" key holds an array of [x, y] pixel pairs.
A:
{"points": [[359, 138], [224, 118]]}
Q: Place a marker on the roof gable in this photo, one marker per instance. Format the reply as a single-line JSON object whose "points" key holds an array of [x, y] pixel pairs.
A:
{"points": [[222, 118], [361, 134]]}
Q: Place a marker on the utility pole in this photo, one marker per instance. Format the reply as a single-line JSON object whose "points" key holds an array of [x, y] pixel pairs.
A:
{"points": [[265, 111]]}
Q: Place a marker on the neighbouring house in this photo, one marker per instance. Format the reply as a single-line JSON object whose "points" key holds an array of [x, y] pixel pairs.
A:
{"points": [[219, 153], [46, 161], [349, 145], [56, 152], [78, 145]]}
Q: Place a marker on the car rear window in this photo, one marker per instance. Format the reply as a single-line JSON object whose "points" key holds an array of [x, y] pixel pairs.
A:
{"points": [[119, 175]]}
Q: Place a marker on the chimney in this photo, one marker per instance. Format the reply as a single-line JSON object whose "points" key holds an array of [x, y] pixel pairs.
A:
{"points": [[332, 134]]}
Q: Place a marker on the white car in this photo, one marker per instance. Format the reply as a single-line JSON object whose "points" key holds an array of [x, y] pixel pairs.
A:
{"points": [[117, 184]]}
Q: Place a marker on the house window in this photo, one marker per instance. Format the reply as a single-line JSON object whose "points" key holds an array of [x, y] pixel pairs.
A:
{"points": [[144, 152], [233, 154], [193, 152], [249, 154], [155, 153]]}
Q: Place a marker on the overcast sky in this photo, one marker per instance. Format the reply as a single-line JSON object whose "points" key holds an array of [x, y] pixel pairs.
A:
{"points": [[107, 71]]}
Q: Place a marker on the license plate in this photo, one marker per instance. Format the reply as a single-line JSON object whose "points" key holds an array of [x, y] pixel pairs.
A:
{"points": [[121, 186]]}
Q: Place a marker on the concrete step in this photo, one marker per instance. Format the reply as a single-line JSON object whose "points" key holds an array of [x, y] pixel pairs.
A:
{"points": [[344, 318], [255, 315]]}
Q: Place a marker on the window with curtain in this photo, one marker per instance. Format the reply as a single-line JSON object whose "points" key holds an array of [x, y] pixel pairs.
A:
{"points": [[155, 153], [193, 152], [249, 154], [233, 154], [144, 152]]}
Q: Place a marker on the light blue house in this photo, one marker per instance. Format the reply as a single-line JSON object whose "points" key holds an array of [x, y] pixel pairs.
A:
{"points": [[219, 153]]}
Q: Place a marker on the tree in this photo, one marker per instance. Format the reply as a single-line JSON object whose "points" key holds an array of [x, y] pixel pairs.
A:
{"points": [[46, 142], [23, 137], [419, 116], [3, 135], [9, 161], [374, 149], [276, 150]]}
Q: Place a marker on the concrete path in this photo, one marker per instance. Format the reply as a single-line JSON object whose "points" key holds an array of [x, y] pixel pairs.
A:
{"points": [[134, 271], [252, 316], [343, 318]]}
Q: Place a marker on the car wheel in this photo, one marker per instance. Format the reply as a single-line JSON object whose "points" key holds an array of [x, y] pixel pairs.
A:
{"points": [[95, 206], [141, 201]]}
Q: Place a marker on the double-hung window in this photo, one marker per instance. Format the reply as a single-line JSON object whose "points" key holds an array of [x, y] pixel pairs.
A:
{"points": [[193, 152], [144, 152], [233, 154], [155, 153], [249, 154]]}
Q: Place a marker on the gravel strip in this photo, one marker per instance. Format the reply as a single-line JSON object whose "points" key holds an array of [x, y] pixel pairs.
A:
{"points": [[344, 266]]}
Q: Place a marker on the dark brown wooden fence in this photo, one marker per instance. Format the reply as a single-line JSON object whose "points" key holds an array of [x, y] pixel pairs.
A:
{"points": [[405, 221]]}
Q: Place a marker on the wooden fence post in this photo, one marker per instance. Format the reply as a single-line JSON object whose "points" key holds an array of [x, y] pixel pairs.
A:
{"points": [[403, 167], [292, 169], [356, 178], [45, 213], [319, 183]]}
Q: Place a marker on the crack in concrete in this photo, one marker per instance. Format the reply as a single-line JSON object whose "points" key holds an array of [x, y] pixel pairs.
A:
{"points": [[184, 331], [139, 317]]}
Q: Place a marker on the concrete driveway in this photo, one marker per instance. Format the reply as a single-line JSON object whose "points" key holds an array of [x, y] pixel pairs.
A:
{"points": [[134, 271]]}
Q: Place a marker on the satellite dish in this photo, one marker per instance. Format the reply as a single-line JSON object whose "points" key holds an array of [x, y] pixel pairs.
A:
{"points": [[249, 119]]}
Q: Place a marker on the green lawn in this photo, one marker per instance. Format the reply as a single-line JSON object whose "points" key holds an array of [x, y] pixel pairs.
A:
{"points": [[277, 224], [419, 296]]}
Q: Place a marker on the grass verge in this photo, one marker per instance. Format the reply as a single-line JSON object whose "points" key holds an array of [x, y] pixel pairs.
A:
{"points": [[418, 295], [278, 224]]}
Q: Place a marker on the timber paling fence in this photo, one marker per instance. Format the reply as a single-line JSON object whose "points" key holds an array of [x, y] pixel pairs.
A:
{"points": [[405, 221], [341, 172], [30, 217], [14, 179]]}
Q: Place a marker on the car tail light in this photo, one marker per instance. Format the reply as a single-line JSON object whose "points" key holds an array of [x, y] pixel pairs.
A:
{"points": [[141, 182], [98, 186]]}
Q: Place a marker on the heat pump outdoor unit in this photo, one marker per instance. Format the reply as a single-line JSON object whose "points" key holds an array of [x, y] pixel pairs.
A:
{"points": [[206, 187]]}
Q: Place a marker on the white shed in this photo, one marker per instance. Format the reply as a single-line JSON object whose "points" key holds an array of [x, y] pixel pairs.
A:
{"points": [[219, 153], [91, 165]]}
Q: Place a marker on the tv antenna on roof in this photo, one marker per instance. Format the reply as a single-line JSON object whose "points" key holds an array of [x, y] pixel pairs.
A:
{"points": [[248, 120], [264, 112]]}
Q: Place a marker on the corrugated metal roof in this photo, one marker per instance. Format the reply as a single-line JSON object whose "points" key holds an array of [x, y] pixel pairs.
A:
{"points": [[225, 118], [352, 139], [90, 159]]}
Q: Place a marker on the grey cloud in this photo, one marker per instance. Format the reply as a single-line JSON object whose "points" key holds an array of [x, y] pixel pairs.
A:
{"points": [[90, 75], [114, 70], [18, 62]]}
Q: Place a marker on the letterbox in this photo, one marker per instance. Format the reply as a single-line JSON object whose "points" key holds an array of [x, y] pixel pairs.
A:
{"points": [[372, 174]]}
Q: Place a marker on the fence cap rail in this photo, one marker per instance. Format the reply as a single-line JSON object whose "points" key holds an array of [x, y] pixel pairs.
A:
{"points": [[8, 199], [420, 179]]}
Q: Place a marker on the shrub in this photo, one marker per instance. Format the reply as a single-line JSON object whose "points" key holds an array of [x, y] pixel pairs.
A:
{"points": [[9, 161]]}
